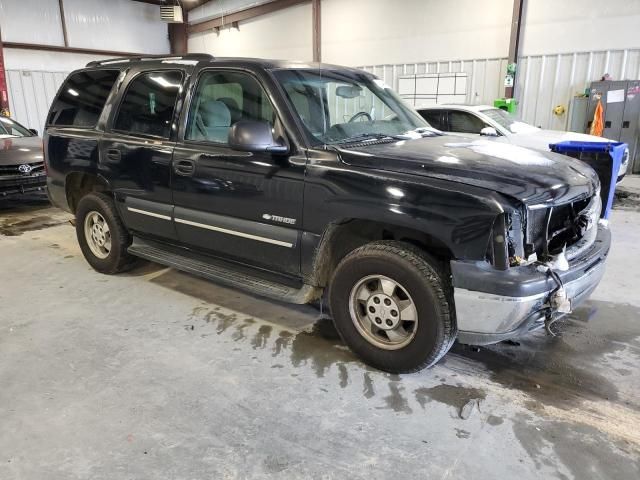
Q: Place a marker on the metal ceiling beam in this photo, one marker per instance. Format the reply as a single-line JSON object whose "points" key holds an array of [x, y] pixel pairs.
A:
{"points": [[59, 48], [242, 15], [151, 2], [188, 6]]}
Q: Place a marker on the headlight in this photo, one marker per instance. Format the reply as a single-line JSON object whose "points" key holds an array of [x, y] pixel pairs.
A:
{"points": [[506, 246]]}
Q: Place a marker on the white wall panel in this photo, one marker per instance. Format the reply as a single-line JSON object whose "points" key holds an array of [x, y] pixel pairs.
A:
{"points": [[357, 32], [282, 34], [120, 25], [553, 26], [544, 81], [221, 7], [31, 21], [18, 59], [31, 93]]}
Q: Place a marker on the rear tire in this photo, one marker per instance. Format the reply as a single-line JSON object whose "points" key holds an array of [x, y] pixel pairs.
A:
{"points": [[391, 304], [101, 234]]}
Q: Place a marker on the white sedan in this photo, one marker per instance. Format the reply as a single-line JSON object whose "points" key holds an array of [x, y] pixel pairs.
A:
{"points": [[467, 120]]}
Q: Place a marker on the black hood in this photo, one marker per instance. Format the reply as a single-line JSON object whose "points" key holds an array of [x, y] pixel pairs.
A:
{"points": [[530, 176], [19, 150]]}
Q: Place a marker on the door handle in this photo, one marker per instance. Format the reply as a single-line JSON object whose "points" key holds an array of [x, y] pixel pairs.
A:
{"points": [[184, 168], [113, 155]]}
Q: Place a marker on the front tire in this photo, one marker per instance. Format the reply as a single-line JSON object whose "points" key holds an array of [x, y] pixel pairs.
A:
{"points": [[101, 234], [391, 305]]}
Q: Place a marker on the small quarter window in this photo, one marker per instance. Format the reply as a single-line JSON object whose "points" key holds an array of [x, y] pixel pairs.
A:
{"points": [[148, 105], [81, 99]]}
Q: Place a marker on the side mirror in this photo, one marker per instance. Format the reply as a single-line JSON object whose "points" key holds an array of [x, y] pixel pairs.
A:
{"points": [[254, 136], [34, 131], [489, 132]]}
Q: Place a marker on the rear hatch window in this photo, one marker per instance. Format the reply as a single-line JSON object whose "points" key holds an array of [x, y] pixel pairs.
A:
{"points": [[81, 99]]}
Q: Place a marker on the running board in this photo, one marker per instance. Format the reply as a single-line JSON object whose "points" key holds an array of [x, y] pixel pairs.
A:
{"points": [[222, 272]]}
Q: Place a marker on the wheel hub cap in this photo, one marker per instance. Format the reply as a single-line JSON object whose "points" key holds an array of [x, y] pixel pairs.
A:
{"points": [[383, 312], [97, 234]]}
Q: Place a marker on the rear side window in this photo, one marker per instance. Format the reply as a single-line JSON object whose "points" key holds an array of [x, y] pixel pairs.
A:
{"points": [[148, 105], [81, 98], [432, 117], [464, 122]]}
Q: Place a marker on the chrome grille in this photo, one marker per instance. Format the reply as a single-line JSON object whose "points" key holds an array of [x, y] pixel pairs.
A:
{"points": [[572, 225], [36, 168]]}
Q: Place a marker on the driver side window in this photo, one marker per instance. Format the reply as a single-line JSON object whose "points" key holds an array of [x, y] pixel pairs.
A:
{"points": [[464, 122], [222, 99]]}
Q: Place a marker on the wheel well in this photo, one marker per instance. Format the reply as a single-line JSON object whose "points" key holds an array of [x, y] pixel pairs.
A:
{"points": [[344, 237], [79, 184]]}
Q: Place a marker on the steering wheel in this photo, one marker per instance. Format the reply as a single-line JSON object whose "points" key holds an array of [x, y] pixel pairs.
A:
{"points": [[360, 114]]}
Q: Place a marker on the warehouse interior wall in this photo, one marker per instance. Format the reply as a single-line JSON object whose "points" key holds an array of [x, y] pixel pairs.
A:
{"points": [[33, 76], [118, 25], [568, 26], [282, 34], [565, 44], [405, 31]]}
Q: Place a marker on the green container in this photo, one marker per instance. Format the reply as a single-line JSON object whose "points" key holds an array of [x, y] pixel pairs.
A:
{"points": [[508, 104]]}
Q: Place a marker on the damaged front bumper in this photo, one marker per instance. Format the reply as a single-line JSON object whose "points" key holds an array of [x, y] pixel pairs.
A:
{"points": [[494, 305]]}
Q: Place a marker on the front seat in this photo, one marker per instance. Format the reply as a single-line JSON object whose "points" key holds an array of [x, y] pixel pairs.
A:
{"points": [[234, 109], [212, 122]]}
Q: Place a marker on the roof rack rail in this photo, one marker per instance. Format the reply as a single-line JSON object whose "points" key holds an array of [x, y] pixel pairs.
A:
{"points": [[187, 56]]}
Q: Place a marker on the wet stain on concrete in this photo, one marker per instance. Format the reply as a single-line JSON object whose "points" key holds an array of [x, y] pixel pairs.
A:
{"points": [[460, 433], [396, 401], [368, 390], [566, 369], [239, 333], [494, 420], [456, 396], [260, 338], [626, 199], [343, 375], [584, 451], [321, 348], [12, 228], [282, 342]]}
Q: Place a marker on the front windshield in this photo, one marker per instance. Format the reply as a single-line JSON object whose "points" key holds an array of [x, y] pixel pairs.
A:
{"points": [[9, 128], [338, 107], [505, 120]]}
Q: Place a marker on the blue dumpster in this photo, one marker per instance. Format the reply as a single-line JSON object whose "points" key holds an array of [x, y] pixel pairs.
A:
{"points": [[604, 157]]}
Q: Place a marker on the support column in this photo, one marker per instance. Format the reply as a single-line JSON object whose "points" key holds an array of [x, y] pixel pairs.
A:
{"points": [[317, 27], [4, 91], [514, 43], [178, 36]]}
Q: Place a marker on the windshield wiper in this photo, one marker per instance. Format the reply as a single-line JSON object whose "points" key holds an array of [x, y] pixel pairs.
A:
{"points": [[372, 136], [427, 131]]}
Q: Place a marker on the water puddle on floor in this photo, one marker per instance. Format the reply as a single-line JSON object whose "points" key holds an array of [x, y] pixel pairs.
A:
{"points": [[28, 213], [561, 371]]}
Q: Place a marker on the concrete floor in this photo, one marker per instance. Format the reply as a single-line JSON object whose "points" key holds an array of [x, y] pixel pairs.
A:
{"points": [[160, 375]]}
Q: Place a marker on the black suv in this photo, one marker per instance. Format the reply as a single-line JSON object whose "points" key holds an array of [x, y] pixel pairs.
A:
{"points": [[307, 181]]}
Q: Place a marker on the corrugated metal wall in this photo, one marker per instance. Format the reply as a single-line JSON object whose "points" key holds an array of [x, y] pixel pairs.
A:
{"points": [[30, 95], [544, 81]]}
